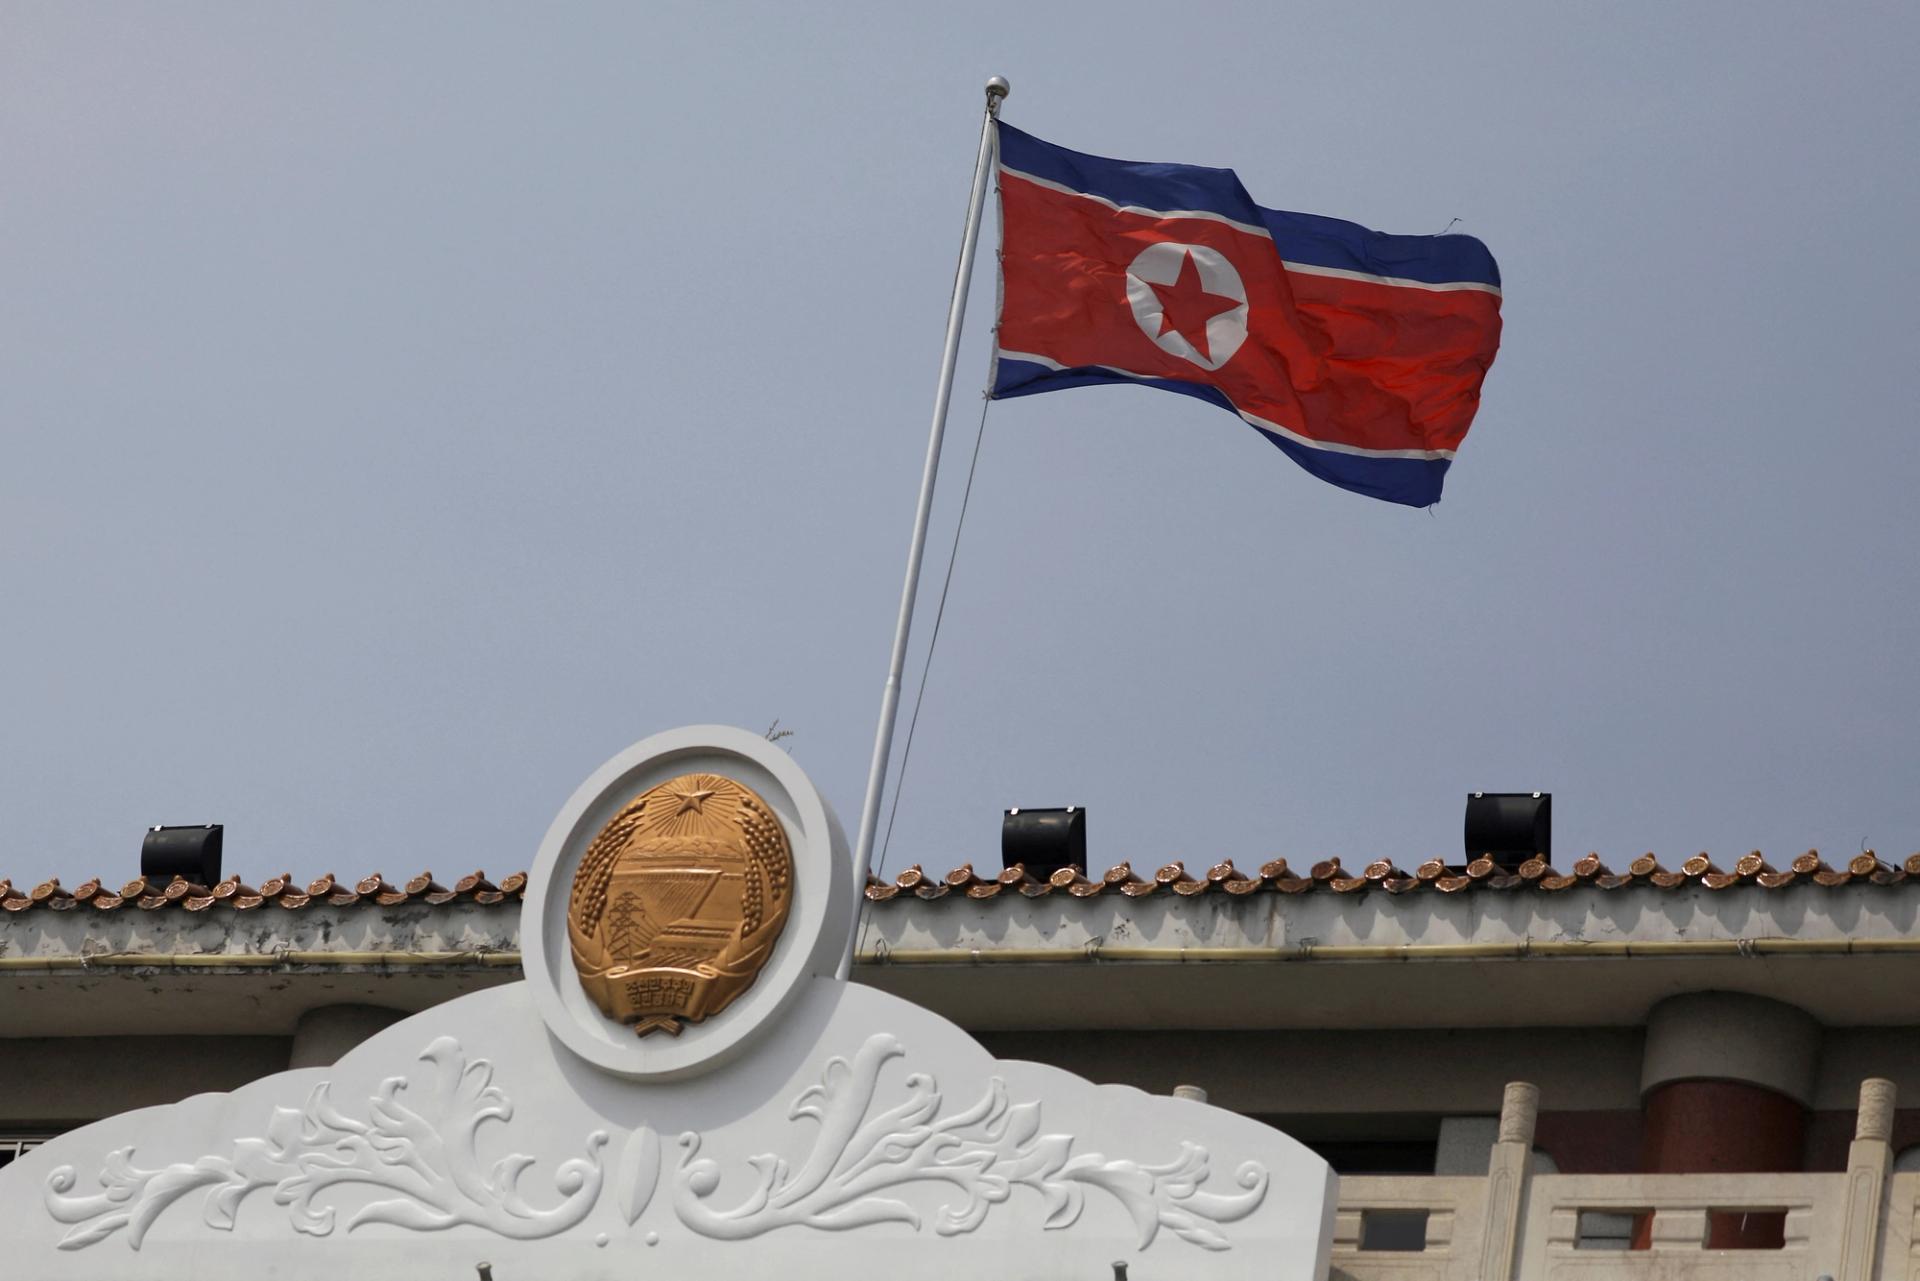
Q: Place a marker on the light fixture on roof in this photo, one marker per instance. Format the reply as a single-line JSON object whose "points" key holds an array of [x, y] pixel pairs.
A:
{"points": [[191, 853], [1509, 827], [1044, 840]]}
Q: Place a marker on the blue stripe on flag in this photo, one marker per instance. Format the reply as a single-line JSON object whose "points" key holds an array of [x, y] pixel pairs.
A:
{"points": [[1126, 182], [1317, 241], [1308, 239], [1414, 482]]}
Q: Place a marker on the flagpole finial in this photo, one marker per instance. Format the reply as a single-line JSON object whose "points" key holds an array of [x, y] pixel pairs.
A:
{"points": [[997, 88]]}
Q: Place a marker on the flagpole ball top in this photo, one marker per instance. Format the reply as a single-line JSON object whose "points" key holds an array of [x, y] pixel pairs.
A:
{"points": [[998, 88]]}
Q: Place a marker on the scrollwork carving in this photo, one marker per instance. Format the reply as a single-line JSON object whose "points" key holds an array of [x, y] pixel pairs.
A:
{"points": [[985, 1152], [417, 1142]]}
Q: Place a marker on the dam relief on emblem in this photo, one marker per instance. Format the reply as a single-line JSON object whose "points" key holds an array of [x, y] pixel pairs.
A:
{"points": [[678, 903]]}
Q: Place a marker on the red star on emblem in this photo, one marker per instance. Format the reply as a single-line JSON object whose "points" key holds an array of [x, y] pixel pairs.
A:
{"points": [[1186, 306]]}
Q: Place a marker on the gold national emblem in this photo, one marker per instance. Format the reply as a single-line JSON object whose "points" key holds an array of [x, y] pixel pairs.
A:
{"points": [[679, 901]]}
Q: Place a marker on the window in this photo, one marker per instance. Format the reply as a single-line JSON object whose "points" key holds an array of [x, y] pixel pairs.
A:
{"points": [[1393, 1229], [1607, 1229]]}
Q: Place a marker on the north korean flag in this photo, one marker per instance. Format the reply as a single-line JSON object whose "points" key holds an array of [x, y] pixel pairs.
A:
{"points": [[1359, 354]]}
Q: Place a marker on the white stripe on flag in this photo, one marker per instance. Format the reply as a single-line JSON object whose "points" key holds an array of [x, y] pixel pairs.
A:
{"points": [[1303, 268], [1425, 455], [1251, 230], [1343, 274]]}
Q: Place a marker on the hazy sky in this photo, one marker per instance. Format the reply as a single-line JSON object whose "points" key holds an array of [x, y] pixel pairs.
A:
{"points": [[404, 408]]}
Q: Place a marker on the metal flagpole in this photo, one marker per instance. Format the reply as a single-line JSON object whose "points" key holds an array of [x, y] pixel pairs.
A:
{"points": [[997, 88]]}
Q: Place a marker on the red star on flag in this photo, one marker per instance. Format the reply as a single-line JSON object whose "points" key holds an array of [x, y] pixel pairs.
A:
{"points": [[1186, 306]]}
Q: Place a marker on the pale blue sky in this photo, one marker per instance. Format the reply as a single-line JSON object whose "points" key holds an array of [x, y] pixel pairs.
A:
{"points": [[404, 408]]}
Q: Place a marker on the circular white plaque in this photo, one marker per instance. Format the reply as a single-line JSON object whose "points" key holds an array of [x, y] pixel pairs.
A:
{"points": [[819, 924]]}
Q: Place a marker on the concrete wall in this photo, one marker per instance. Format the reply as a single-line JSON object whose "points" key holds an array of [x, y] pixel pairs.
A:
{"points": [[1321, 1045], [1517, 958]]}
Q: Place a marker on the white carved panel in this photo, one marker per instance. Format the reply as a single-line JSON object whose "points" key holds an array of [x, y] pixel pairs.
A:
{"points": [[985, 1152], [863, 1133], [417, 1143]]}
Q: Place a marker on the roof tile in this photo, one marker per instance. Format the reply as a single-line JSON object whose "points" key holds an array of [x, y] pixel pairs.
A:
{"points": [[236, 895], [961, 878], [1480, 875], [1074, 882], [1174, 877]]}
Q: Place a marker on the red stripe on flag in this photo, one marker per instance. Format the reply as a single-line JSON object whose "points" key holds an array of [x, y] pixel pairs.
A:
{"points": [[1347, 362], [1426, 348]]}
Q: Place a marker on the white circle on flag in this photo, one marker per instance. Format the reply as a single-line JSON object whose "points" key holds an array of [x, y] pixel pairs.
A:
{"points": [[1162, 264]]}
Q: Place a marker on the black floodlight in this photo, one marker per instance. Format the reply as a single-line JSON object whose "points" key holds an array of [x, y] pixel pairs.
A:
{"points": [[1044, 841], [1509, 827], [192, 853]]}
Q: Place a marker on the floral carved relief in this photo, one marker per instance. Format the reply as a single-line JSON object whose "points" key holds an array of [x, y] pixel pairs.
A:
{"points": [[417, 1142], [865, 1151]]}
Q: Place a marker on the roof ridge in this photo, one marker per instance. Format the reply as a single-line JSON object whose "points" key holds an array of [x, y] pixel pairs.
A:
{"points": [[282, 891], [1480, 875]]}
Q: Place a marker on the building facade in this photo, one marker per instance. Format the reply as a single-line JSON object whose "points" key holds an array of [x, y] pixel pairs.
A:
{"points": [[1640, 1072]]}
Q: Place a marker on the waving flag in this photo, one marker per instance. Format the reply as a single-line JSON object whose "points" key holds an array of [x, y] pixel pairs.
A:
{"points": [[1359, 354]]}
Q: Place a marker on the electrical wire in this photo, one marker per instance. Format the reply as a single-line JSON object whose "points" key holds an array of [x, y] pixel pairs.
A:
{"points": [[933, 639]]}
